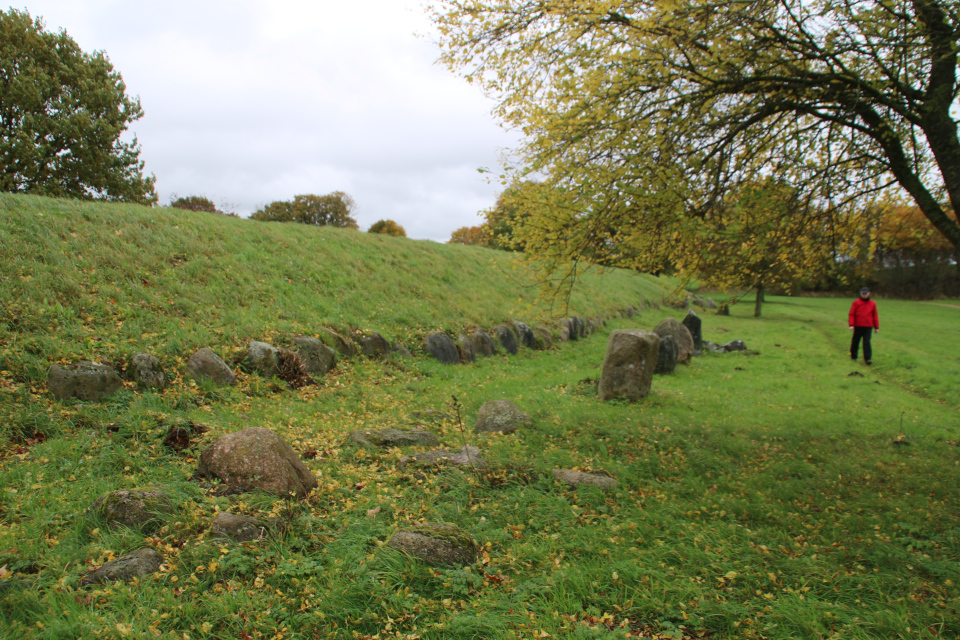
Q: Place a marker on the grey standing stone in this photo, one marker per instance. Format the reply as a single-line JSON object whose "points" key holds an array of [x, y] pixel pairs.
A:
{"points": [[237, 528], [467, 352], [506, 338], [136, 564], [385, 438], [579, 327], [401, 351], [694, 325], [146, 371], [441, 347], [206, 365], [317, 357], [436, 544], [629, 364], [575, 478], [142, 510], [373, 345], [667, 358], [673, 328], [88, 381], [501, 416], [261, 358], [464, 457], [524, 333], [483, 344], [256, 459]]}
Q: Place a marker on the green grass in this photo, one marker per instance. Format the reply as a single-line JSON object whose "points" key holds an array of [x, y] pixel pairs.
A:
{"points": [[760, 494]]}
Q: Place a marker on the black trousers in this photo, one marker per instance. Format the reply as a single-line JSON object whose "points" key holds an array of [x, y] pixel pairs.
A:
{"points": [[863, 333]]}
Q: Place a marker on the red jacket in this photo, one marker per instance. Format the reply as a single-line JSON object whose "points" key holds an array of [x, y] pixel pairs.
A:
{"points": [[863, 313]]}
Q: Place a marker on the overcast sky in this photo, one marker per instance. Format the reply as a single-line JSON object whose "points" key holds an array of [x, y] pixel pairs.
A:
{"points": [[251, 101]]}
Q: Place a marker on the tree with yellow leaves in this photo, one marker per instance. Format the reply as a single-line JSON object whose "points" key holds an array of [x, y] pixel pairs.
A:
{"points": [[645, 113]]}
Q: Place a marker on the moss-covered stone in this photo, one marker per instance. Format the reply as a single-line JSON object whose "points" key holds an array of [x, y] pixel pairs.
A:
{"points": [[143, 510], [501, 416], [256, 459], [436, 544]]}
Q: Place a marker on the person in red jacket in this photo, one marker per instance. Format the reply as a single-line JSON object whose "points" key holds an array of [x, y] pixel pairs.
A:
{"points": [[863, 321]]}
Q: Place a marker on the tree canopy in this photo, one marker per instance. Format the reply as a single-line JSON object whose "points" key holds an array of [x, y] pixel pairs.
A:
{"points": [[332, 209], [646, 113], [62, 114]]}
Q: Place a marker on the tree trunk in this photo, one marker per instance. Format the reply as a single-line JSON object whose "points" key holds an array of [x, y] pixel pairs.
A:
{"points": [[759, 304]]}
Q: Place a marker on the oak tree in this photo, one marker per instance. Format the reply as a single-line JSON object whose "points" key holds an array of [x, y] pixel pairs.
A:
{"points": [[389, 227], [332, 209], [62, 115]]}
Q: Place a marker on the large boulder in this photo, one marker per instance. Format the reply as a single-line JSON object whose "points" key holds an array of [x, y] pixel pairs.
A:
{"points": [[525, 334], [141, 510], [373, 345], [501, 416], [667, 358], [317, 357], [206, 365], [88, 381], [436, 544], [672, 327], [146, 371], [261, 358], [629, 364], [256, 459], [507, 338], [467, 352], [386, 438], [237, 528], [694, 325], [135, 564], [464, 457], [483, 344], [573, 479], [344, 346], [441, 347]]}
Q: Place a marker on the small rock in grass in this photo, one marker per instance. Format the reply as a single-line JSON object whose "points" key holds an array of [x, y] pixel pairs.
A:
{"points": [[507, 338], [734, 345], [501, 416], [142, 510], [206, 365], [373, 345], [385, 438], [483, 344], [237, 528], [465, 457], [136, 564], [436, 544], [574, 478], [262, 359], [146, 371], [467, 351], [524, 333], [317, 357], [344, 346], [88, 381]]}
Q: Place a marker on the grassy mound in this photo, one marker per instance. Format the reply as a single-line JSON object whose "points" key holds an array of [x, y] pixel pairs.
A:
{"points": [[783, 492]]}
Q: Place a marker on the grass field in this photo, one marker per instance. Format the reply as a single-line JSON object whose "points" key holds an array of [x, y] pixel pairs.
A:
{"points": [[761, 494]]}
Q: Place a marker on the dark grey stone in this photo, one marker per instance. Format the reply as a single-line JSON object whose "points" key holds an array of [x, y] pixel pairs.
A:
{"points": [[344, 346], [733, 345], [440, 347], [261, 358], [467, 352], [694, 325], [237, 528], [506, 338], [373, 345], [141, 510], [525, 334], [667, 358], [544, 338]]}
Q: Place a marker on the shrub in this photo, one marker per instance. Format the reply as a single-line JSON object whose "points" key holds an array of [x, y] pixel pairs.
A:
{"points": [[332, 210], [388, 227], [194, 203]]}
